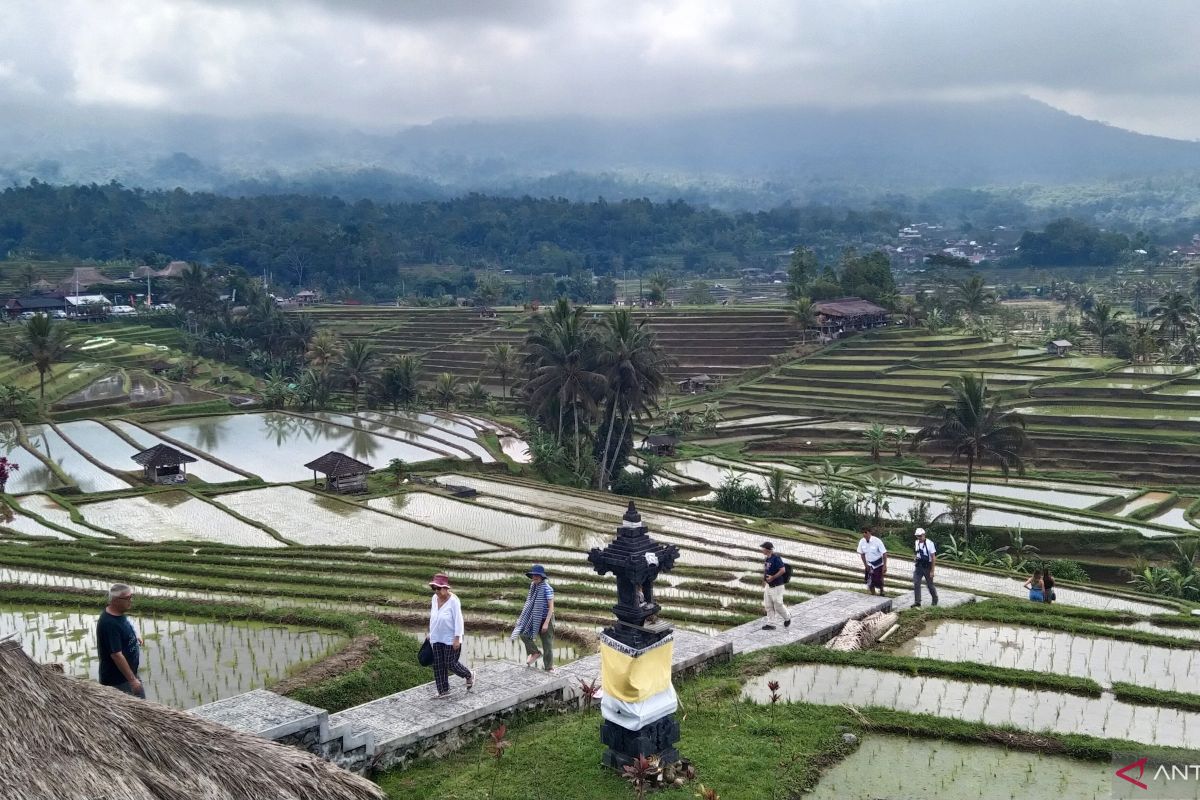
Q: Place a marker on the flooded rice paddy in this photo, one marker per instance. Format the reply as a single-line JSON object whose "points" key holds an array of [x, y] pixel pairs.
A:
{"points": [[898, 767], [203, 469], [167, 516], [276, 446], [1106, 661], [1002, 706], [185, 663], [311, 519], [87, 475]]}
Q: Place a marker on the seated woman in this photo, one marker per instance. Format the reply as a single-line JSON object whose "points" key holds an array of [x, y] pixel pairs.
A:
{"points": [[1036, 587]]}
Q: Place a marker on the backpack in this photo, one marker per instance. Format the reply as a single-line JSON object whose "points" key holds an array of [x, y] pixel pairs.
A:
{"points": [[787, 573]]}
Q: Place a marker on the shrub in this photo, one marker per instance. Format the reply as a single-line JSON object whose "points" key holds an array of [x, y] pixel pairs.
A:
{"points": [[736, 496], [1067, 570]]}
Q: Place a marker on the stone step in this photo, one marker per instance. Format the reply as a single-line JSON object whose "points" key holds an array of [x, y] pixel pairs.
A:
{"points": [[947, 598], [813, 621]]}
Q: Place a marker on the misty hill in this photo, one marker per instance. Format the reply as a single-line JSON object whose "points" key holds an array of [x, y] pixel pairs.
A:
{"points": [[744, 158]]}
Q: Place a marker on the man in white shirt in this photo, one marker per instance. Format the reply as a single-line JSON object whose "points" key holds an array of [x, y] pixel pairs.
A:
{"points": [[924, 560], [874, 559]]}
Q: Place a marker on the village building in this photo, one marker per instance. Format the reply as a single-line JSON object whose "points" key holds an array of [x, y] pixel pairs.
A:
{"points": [[306, 298], [44, 305], [342, 473], [164, 464], [88, 306], [845, 314]]}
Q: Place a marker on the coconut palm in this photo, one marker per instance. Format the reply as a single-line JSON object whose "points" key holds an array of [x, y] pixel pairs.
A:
{"points": [[1187, 349], [972, 297], [876, 437], [804, 314], [972, 426], [660, 282], [1103, 321], [900, 435], [445, 390], [633, 365], [502, 359], [563, 378], [196, 291], [1174, 313], [324, 350], [780, 490], [398, 383], [476, 395], [356, 365], [40, 342], [1143, 343]]}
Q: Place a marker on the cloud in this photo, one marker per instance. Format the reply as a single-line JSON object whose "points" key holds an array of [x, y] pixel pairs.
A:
{"points": [[386, 63]]}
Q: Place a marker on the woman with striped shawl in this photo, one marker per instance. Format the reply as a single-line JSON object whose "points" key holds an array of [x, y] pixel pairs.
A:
{"points": [[537, 620]]}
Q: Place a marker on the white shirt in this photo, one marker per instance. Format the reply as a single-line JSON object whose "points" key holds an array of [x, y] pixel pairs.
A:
{"points": [[873, 549], [446, 622], [929, 546]]}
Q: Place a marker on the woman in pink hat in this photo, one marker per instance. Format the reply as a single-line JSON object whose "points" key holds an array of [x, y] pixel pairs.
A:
{"points": [[445, 634]]}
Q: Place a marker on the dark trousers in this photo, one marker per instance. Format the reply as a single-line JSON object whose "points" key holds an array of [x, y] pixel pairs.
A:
{"points": [[921, 570], [445, 661]]}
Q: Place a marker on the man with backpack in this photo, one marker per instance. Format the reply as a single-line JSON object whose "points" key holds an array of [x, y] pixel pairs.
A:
{"points": [[775, 575]]}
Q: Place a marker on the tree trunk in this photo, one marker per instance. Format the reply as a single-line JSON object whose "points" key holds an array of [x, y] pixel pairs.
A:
{"points": [[967, 511], [41, 383], [602, 479]]}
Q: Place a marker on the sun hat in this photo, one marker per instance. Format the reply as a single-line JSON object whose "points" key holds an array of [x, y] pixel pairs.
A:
{"points": [[920, 532], [440, 581], [538, 570]]}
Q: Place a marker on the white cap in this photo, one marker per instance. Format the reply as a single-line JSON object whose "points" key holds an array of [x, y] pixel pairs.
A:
{"points": [[920, 532]]}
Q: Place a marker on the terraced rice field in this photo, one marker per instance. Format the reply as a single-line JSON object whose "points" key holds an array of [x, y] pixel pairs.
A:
{"points": [[185, 663], [174, 515]]}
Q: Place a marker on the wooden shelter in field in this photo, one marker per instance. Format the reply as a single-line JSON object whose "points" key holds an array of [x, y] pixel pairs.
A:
{"points": [[696, 383], [71, 739], [661, 444], [164, 464], [342, 473], [1059, 347]]}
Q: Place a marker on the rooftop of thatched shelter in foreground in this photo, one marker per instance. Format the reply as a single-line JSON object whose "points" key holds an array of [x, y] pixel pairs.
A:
{"points": [[68, 739]]}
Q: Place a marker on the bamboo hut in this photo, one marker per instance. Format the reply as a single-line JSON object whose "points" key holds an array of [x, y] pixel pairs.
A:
{"points": [[342, 473], [69, 739]]}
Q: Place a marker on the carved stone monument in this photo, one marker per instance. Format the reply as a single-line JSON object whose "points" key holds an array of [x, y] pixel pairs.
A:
{"points": [[636, 653]]}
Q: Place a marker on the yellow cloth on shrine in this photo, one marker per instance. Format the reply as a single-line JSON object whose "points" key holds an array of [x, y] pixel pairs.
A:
{"points": [[634, 679]]}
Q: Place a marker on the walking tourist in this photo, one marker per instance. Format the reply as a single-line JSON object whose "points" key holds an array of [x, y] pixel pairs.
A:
{"points": [[446, 635], [924, 560], [118, 645], [537, 620], [774, 578], [1036, 587], [874, 558]]}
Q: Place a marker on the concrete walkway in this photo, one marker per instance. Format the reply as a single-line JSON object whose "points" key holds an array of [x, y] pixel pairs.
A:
{"points": [[400, 727]]}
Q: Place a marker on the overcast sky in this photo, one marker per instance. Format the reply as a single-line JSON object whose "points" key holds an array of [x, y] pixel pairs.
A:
{"points": [[387, 63]]}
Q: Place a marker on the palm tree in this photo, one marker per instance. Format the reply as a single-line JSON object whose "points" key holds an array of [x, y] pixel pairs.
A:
{"points": [[356, 365], [660, 282], [633, 367], [972, 296], [41, 343], [1139, 292], [1143, 344], [561, 356], [1174, 313], [1103, 321], [876, 437], [445, 390], [315, 388], [476, 395], [972, 426], [1187, 349], [900, 435], [502, 360], [195, 291], [398, 383], [804, 314], [780, 490], [323, 350]]}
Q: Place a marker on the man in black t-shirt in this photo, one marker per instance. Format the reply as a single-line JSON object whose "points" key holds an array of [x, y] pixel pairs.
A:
{"points": [[774, 571], [118, 645]]}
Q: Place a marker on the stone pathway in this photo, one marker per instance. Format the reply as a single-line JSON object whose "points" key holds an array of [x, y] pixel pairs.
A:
{"points": [[396, 728], [947, 598]]}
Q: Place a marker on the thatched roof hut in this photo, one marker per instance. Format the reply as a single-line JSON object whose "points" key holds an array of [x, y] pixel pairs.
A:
{"points": [[68, 739], [342, 473]]}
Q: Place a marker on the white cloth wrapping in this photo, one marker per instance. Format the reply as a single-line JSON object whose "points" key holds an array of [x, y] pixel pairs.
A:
{"points": [[635, 716]]}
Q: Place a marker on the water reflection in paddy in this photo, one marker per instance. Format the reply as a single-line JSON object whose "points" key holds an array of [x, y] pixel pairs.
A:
{"points": [[277, 446], [87, 475], [203, 469], [1008, 706]]}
